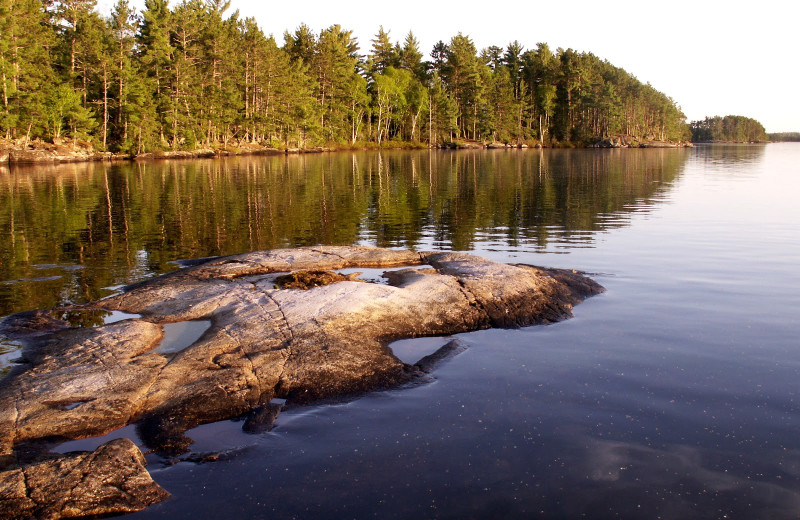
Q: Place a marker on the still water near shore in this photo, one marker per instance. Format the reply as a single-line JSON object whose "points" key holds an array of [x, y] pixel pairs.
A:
{"points": [[672, 395], [70, 232]]}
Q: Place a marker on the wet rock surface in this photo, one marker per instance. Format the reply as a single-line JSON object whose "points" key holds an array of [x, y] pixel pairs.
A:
{"points": [[325, 339]]}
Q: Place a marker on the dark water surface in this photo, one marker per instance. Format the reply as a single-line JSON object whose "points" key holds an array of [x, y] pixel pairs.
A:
{"points": [[672, 395]]}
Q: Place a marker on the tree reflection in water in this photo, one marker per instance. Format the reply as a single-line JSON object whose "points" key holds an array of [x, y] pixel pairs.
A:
{"points": [[73, 232]]}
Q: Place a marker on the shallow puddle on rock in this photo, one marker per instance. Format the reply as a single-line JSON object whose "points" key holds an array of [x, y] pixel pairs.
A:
{"points": [[412, 350], [9, 351], [87, 318], [178, 336], [116, 316], [92, 443], [220, 436], [375, 274]]}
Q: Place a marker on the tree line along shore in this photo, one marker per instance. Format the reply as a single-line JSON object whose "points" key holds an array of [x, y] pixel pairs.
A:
{"points": [[730, 129], [194, 77]]}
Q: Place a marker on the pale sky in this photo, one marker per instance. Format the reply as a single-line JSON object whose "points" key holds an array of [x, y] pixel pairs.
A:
{"points": [[712, 57]]}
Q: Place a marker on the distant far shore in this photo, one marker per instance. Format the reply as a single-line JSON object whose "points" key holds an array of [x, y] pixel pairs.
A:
{"points": [[732, 142]]}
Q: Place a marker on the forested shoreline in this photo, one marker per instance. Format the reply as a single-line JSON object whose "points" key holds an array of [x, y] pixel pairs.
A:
{"points": [[784, 137], [728, 129], [194, 76]]}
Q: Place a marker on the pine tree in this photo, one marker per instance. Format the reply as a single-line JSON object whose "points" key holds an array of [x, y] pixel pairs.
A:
{"points": [[512, 59], [443, 113], [301, 45], [221, 101], [461, 73], [410, 57], [335, 63], [186, 99], [155, 57], [73, 14], [26, 68], [539, 72], [123, 23], [383, 54]]}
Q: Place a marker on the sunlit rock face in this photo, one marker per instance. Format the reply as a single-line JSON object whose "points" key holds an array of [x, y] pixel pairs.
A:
{"points": [[273, 324], [112, 480]]}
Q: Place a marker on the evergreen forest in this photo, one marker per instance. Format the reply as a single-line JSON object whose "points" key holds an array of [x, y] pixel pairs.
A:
{"points": [[195, 75], [731, 129], [784, 137]]}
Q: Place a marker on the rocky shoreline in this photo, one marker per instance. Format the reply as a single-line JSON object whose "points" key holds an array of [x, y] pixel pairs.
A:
{"points": [[64, 151], [278, 324], [67, 151], [626, 141]]}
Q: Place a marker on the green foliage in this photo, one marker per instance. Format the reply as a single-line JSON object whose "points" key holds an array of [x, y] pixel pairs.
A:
{"points": [[443, 114], [737, 129], [191, 75], [410, 57], [384, 54], [464, 76], [63, 111], [335, 64], [400, 98], [26, 67], [779, 137]]}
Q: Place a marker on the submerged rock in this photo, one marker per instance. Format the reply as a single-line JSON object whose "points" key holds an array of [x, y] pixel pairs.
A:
{"points": [[262, 418], [326, 338]]}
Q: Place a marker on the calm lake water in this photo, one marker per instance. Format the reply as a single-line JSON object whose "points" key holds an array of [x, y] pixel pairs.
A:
{"points": [[673, 395]]}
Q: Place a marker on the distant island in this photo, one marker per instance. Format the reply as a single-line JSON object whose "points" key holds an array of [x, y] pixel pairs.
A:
{"points": [[189, 77], [728, 129], [782, 137]]}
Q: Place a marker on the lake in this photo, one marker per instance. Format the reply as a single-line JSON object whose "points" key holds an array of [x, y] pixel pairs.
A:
{"points": [[673, 395]]}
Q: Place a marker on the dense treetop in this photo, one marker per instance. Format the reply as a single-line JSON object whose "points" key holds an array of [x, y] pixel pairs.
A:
{"points": [[731, 129], [194, 75]]}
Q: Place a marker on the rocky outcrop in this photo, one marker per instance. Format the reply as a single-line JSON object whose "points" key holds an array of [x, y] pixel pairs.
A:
{"points": [[309, 335], [59, 150], [666, 144], [112, 480], [629, 141], [176, 154], [265, 340], [22, 151], [36, 151]]}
